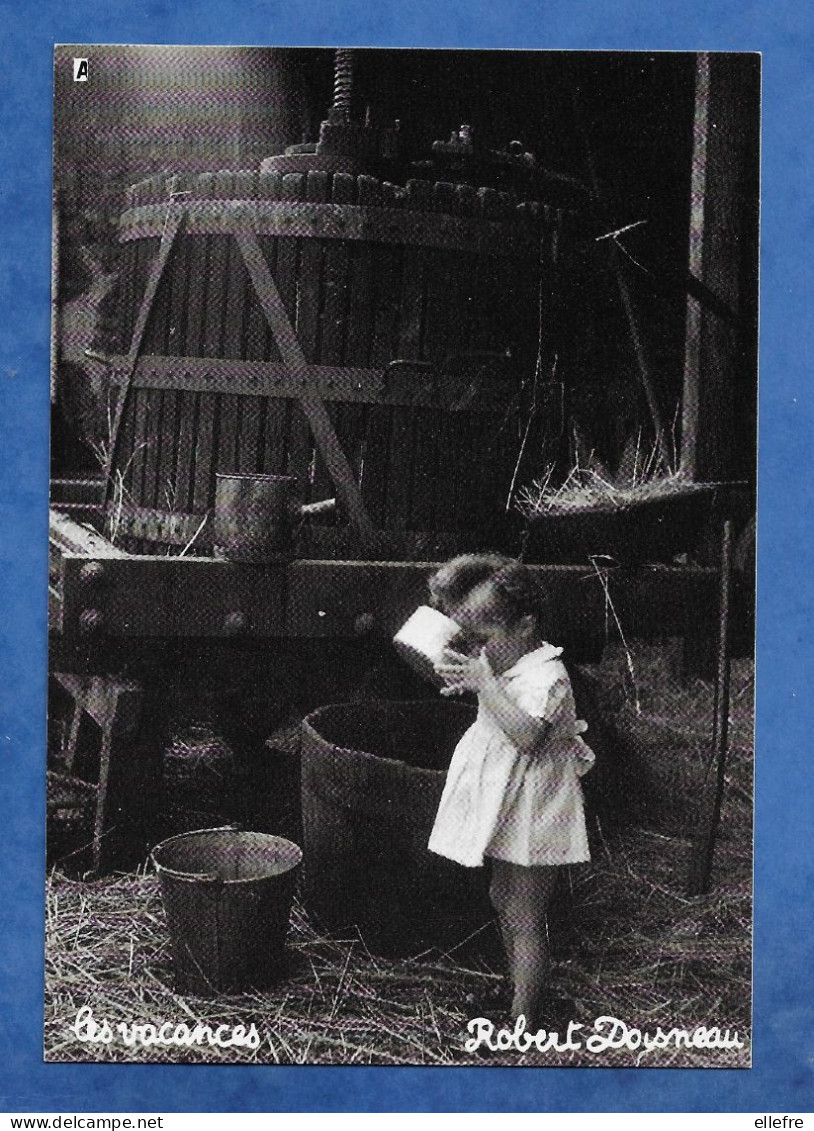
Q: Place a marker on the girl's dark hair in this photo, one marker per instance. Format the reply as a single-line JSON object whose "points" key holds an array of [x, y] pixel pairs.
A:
{"points": [[513, 583]]}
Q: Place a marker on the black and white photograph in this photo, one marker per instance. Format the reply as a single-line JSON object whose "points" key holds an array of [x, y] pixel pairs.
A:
{"points": [[402, 557]]}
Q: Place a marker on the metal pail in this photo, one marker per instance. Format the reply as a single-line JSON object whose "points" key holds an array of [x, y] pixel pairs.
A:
{"points": [[227, 896], [254, 515]]}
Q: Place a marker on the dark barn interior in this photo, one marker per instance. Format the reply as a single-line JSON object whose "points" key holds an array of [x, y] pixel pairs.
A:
{"points": [[612, 137], [412, 286]]}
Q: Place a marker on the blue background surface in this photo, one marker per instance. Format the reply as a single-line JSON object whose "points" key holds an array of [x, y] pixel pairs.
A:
{"points": [[783, 1076]]}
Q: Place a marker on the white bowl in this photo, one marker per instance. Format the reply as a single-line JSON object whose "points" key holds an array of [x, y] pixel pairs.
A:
{"points": [[422, 639]]}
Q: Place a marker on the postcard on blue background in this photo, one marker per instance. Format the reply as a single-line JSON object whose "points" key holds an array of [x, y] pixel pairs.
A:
{"points": [[323, 320]]}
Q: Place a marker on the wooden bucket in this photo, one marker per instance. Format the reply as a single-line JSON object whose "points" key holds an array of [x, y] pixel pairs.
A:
{"points": [[372, 777]]}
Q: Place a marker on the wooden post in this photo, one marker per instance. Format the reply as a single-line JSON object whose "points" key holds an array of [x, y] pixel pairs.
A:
{"points": [[721, 258], [704, 847], [692, 331]]}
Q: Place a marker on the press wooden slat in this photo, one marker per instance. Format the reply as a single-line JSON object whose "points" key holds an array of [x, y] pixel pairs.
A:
{"points": [[168, 451], [298, 438], [488, 203], [180, 282], [411, 312], [198, 264], [442, 322], [223, 185], [472, 458], [419, 196], [425, 485], [376, 448], [204, 186], [443, 196], [269, 186], [496, 292], [369, 191], [343, 188], [300, 450], [275, 436], [141, 441], [249, 436], [465, 200], [386, 295], [246, 184], [127, 431], [215, 284], [443, 337], [187, 409], [360, 274], [236, 303], [336, 288], [505, 204], [393, 196], [332, 322], [203, 493], [228, 412], [217, 281], [228, 417], [352, 311], [490, 482], [142, 192], [468, 456], [399, 469], [241, 326], [288, 251], [360, 304], [450, 471], [158, 187], [310, 283], [149, 491]]}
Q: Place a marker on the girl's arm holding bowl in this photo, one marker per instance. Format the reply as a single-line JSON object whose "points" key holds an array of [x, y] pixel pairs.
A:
{"points": [[474, 673]]}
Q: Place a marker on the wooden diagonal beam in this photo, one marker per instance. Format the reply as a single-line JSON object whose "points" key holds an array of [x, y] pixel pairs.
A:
{"points": [[312, 404], [174, 220]]}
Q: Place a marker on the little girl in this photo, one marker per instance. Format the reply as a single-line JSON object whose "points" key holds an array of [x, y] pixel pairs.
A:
{"points": [[512, 793]]}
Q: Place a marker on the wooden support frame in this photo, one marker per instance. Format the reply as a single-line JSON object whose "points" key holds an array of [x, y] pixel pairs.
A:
{"points": [[115, 706], [294, 360], [106, 597]]}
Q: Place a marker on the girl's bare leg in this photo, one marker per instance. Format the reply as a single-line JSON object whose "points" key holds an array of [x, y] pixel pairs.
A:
{"points": [[499, 894], [521, 897]]}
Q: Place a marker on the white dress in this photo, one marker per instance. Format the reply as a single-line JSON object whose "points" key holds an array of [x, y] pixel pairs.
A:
{"points": [[524, 808]]}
